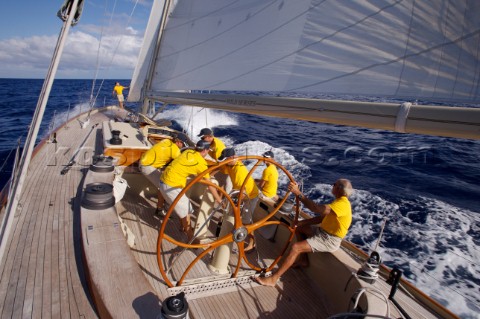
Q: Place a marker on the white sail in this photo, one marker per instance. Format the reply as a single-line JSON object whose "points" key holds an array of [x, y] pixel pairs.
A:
{"points": [[390, 50], [412, 49]]}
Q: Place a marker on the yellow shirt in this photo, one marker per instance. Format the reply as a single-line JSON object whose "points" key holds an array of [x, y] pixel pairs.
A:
{"points": [[216, 147], [238, 173], [337, 222], [270, 176], [118, 89], [160, 154], [189, 163]]}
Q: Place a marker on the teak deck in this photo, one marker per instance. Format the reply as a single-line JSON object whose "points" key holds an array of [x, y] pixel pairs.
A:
{"points": [[43, 274]]}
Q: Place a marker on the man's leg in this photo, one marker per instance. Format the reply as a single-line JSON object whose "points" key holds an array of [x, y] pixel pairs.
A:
{"points": [[186, 228], [160, 200], [302, 233], [297, 249]]}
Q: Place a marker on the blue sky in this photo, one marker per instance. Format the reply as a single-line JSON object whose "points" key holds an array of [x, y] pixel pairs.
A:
{"points": [[29, 31]]}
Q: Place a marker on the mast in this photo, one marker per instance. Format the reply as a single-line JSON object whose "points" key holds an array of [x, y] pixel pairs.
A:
{"points": [[71, 7]]}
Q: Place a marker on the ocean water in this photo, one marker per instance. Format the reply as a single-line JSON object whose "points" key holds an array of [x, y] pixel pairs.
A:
{"points": [[424, 188]]}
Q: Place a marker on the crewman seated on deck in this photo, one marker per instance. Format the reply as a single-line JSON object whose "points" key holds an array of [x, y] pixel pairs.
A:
{"points": [[174, 178], [156, 158], [238, 172], [334, 219]]}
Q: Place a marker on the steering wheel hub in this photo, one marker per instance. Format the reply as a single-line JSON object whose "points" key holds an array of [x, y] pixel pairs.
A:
{"points": [[240, 234]]}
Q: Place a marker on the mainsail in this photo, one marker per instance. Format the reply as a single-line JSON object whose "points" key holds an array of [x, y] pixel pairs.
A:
{"points": [[393, 50]]}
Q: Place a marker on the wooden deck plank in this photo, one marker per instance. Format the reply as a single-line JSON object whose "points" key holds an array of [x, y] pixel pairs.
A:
{"points": [[21, 265], [47, 291], [24, 296], [29, 290], [54, 246], [42, 237], [15, 256], [24, 215], [39, 270], [7, 270], [61, 204]]}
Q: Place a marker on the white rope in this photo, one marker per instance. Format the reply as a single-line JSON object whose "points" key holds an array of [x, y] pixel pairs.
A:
{"points": [[370, 289], [368, 271]]}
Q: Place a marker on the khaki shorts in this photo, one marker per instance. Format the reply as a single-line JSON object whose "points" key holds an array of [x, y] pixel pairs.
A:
{"points": [[323, 241], [170, 193], [120, 98], [247, 214], [152, 174]]}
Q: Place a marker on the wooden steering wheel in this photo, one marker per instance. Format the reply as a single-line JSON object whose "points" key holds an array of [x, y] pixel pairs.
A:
{"points": [[240, 231]]}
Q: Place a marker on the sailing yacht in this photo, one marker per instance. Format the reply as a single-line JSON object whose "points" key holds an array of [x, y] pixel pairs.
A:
{"points": [[86, 243]]}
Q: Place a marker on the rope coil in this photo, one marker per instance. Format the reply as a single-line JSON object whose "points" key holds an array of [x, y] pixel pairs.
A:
{"points": [[369, 270]]}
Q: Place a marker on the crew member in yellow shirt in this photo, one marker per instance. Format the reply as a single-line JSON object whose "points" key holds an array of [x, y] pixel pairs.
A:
{"points": [[216, 145], [334, 219], [216, 148], [174, 179], [238, 172], [156, 158], [118, 91], [268, 184]]}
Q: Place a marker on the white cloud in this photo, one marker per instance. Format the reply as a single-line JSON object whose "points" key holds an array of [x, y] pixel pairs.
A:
{"points": [[30, 57]]}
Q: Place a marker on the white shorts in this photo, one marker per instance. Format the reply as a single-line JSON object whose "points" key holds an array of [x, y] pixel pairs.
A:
{"points": [[120, 98], [323, 241], [152, 174], [170, 193]]}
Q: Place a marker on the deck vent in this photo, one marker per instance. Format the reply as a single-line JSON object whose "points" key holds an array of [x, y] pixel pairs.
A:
{"points": [[102, 164], [98, 196], [116, 140]]}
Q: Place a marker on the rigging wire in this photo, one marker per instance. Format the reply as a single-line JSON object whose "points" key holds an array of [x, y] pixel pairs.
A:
{"points": [[116, 47], [97, 64]]}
